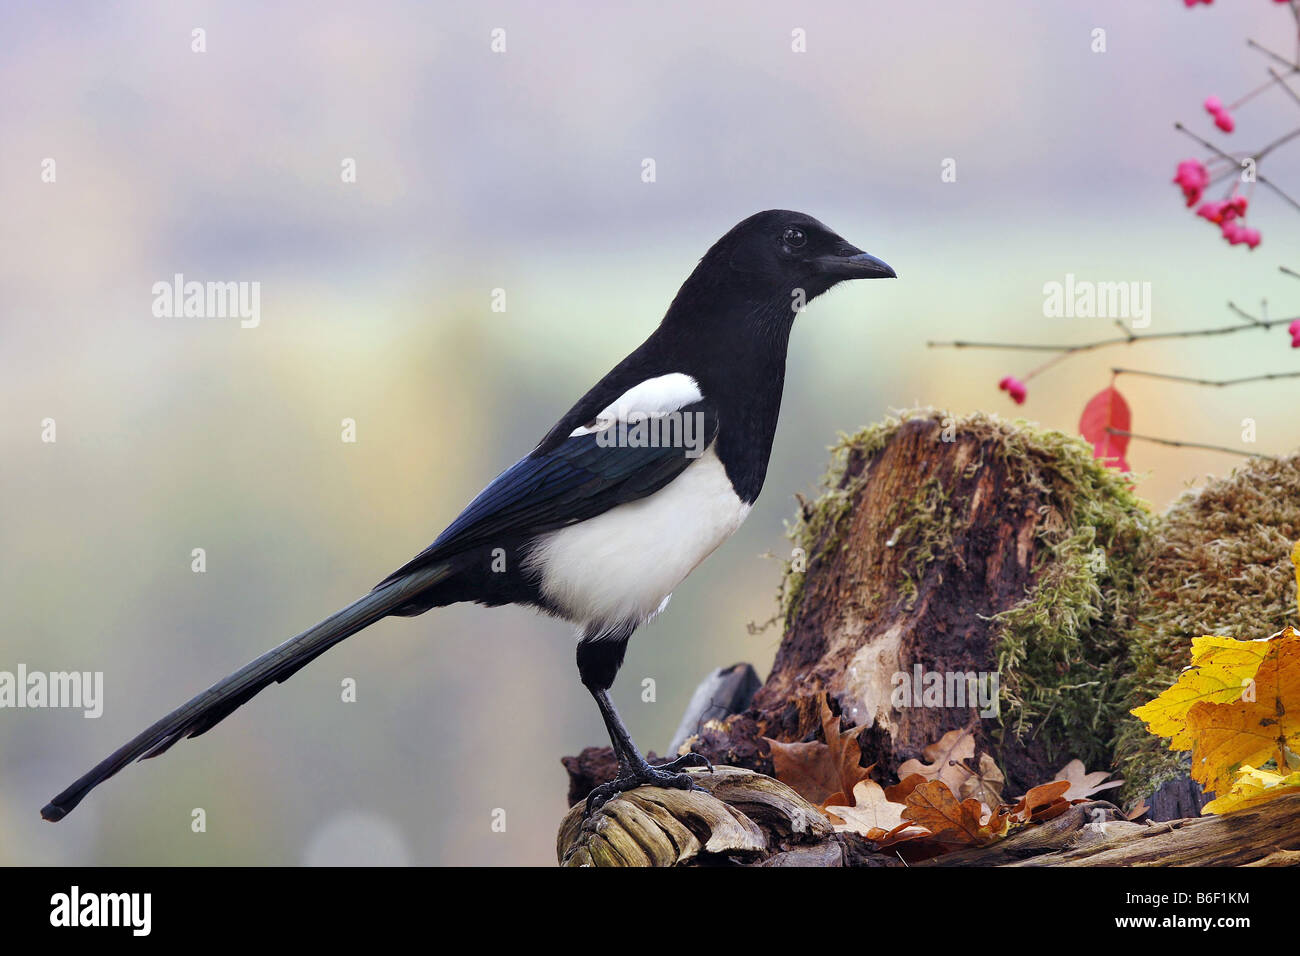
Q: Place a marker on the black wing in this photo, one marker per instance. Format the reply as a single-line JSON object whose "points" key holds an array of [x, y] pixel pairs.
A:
{"points": [[572, 481]]}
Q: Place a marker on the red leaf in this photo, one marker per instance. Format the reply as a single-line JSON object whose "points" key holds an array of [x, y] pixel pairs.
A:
{"points": [[1107, 410]]}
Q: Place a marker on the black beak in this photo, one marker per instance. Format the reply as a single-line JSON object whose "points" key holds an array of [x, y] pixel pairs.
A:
{"points": [[854, 264]]}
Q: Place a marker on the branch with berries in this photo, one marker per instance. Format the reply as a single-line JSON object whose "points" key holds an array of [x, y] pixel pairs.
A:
{"points": [[1110, 401], [1106, 418], [1235, 169]]}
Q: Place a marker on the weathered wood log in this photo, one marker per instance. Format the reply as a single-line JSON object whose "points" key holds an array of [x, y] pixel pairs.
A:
{"points": [[735, 817], [1090, 834], [1265, 835]]}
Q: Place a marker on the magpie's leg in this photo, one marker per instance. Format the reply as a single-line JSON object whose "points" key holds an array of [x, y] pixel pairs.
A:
{"points": [[598, 662]]}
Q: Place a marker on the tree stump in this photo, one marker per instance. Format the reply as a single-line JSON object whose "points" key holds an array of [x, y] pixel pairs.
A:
{"points": [[952, 548]]}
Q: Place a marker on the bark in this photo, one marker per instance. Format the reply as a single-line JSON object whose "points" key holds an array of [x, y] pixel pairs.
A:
{"points": [[871, 609]]}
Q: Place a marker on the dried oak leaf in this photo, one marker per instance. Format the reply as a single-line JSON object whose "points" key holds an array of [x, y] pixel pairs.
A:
{"points": [[945, 760], [875, 816], [1083, 784], [905, 831], [821, 772], [899, 791], [1041, 803], [984, 784], [967, 823]]}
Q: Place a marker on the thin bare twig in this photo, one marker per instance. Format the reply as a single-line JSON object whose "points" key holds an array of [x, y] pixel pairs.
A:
{"points": [[1246, 98], [1246, 315], [1102, 343], [1217, 382], [1189, 444], [1283, 83], [1295, 68]]}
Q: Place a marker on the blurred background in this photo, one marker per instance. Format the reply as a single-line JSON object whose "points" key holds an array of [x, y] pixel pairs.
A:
{"points": [[522, 170]]}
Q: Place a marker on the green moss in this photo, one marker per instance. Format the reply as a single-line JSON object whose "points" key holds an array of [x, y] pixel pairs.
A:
{"points": [[1062, 651], [819, 527], [923, 528]]}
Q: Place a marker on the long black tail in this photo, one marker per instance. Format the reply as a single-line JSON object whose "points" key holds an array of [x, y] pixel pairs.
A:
{"points": [[279, 664]]}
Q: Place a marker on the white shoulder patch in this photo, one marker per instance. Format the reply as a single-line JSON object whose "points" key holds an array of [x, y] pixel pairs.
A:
{"points": [[652, 398]]}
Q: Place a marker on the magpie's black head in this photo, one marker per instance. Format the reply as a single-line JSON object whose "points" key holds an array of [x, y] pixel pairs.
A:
{"points": [[793, 250], [774, 262]]}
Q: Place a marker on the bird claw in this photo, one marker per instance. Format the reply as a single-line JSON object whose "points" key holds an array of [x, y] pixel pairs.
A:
{"points": [[665, 775], [687, 760]]}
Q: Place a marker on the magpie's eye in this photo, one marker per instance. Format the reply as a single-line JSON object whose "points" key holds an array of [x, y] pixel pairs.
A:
{"points": [[794, 238]]}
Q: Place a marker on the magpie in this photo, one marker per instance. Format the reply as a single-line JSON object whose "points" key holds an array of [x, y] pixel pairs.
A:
{"points": [[652, 469]]}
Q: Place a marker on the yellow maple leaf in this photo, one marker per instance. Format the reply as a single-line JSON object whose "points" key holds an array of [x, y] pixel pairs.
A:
{"points": [[1221, 668], [1262, 725], [1253, 787]]}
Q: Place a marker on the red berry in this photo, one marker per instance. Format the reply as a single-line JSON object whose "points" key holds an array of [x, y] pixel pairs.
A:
{"points": [[1015, 388]]}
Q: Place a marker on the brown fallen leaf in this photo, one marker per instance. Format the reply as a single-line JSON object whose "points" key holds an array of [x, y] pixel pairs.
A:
{"points": [[946, 757], [1137, 811], [1083, 784], [1039, 800], [967, 823], [835, 799], [820, 772], [903, 833], [986, 784], [806, 768], [1051, 811], [899, 791]]}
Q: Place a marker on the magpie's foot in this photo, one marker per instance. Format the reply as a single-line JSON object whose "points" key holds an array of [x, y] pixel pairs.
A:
{"points": [[644, 776], [686, 760]]}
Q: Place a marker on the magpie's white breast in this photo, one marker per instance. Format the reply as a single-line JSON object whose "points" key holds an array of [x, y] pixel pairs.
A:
{"points": [[623, 565]]}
